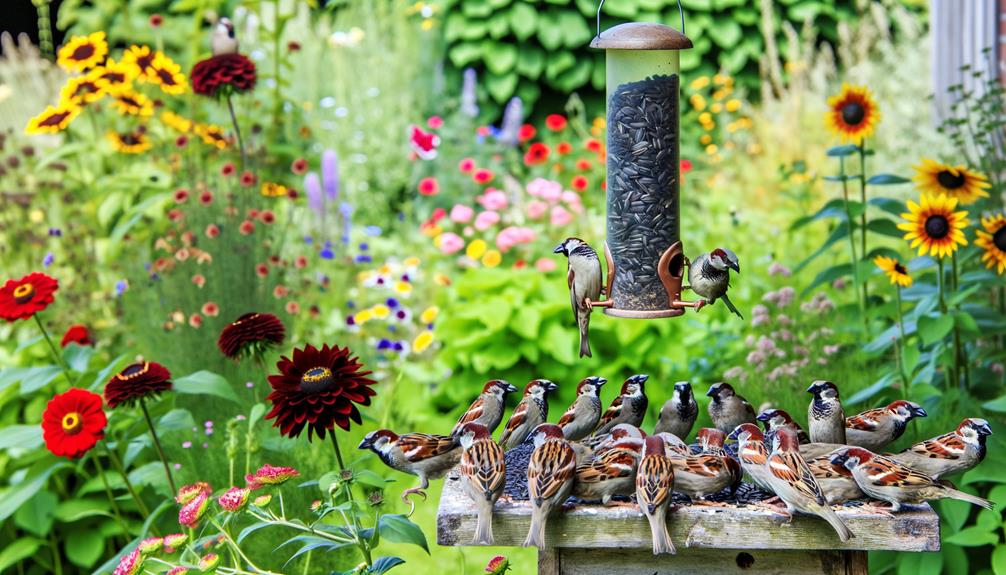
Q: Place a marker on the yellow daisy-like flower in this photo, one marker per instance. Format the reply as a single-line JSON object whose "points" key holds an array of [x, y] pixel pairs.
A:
{"points": [[129, 142], [54, 119], [132, 103], [167, 74], [176, 122], [411, 262], [81, 90], [475, 249], [933, 226], [852, 114], [716, 108], [441, 279], [492, 258], [429, 314], [140, 59], [422, 341], [82, 52], [113, 75], [700, 82], [273, 190], [959, 182], [363, 316], [698, 102], [993, 240], [403, 288], [894, 270], [380, 311], [733, 105], [212, 135]]}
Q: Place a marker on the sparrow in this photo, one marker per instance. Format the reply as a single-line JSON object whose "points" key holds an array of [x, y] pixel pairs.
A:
{"points": [[711, 440], [709, 277], [950, 453], [727, 409], [792, 481], [752, 453], [223, 39], [774, 419], [531, 412], [623, 436], [673, 445], [488, 408], [654, 486], [885, 479], [483, 475], [814, 450], [583, 277], [837, 482], [582, 416], [603, 476], [678, 414], [876, 428], [629, 407], [825, 416], [420, 454], [699, 476], [550, 475]]}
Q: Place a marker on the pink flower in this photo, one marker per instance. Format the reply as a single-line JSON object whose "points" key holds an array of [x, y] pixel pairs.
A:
{"points": [[130, 564], [486, 220], [777, 269], [544, 265], [466, 165], [270, 475], [450, 242], [545, 189], [493, 199], [199, 280], [424, 143], [234, 499], [211, 309], [461, 213], [536, 209], [435, 122], [483, 176], [193, 511], [560, 216], [212, 231], [429, 187], [246, 228]]}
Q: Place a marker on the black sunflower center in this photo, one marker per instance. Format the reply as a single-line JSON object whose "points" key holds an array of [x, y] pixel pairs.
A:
{"points": [[83, 52], [54, 119], [316, 379], [937, 227], [999, 239], [949, 180], [23, 293], [134, 370], [853, 113], [900, 269]]}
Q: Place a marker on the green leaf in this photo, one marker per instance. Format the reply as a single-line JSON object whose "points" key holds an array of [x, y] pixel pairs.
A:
{"points": [[842, 151], [257, 411], [933, 329], [873, 389], [500, 57], [501, 87], [840, 232], [966, 322], [575, 31], [78, 356], [251, 529], [13, 497], [23, 437], [999, 560], [205, 383], [530, 61], [523, 20], [974, 536], [36, 514], [549, 32], [829, 275], [465, 53], [17, 551], [384, 564], [833, 209], [398, 529], [84, 547], [885, 227], [726, 33], [998, 405], [886, 180], [106, 373], [893, 207], [559, 63], [76, 509], [368, 477], [910, 356]]}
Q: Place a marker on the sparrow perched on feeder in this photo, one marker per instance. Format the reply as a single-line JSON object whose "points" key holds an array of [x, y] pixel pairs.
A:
{"points": [[420, 454], [629, 407], [483, 474], [488, 408], [711, 440], [774, 419], [727, 409], [825, 416], [223, 40], [673, 445], [603, 476], [583, 277], [678, 414], [791, 479], [699, 476], [837, 482], [752, 453], [654, 486], [885, 479], [623, 435], [876, 428], [582, 416], [550, 476], [709, 276], [950, 453], [531, 412]]}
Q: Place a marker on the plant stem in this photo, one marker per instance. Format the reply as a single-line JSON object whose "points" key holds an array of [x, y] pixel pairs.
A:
{"points": [[57, 559], [360, 542], [862, 217], [52, 347], [943, 310], [852, 241], [129, 485], [111, 498], [961, 351], [45, 29], [237, 129], [160, 450], [236, 548]]}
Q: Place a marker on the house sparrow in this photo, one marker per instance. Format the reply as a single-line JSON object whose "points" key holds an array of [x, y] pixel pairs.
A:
{"points": [[223, 40], [483, 474], [673, 445], [810, 451], [699, 476], [623, 435], [550, 476], [602, 476], [791, 479], [727, 409], [531, 412], [581, 418], [488, 408], [951, 453], [583, 277], [837, 482], [825, 416], [876, 428], [654, 486], [711, 440], [752, 453], [425, 456], [885, 479], [773, 419], [629, 407], [709, 277], [678, 414]]}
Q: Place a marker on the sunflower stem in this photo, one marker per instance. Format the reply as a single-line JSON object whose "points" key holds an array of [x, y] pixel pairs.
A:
{"points": [[237, 129], [52, 347], [943, 310], [111, 498], [160, 450], [962, 354], [852, 242], [129, 484], [899, 344], [862, 216]]}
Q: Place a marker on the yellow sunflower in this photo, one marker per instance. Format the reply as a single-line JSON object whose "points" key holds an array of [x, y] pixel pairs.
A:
{"points": [[894, 270], [933, 226], [54, 119], [132, 103], [852, 114], [82, 52], [959, 182], [179, 123], [140, 60], [129, 142], [167, 74], [113, 74], [274, 190], [212, 135], [993, 240], [81, 90]]}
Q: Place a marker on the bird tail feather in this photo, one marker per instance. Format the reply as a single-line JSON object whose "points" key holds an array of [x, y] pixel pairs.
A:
{"points": [[730, 305], [658, 528], [844, 533], [536, 534], [585, 338], [955, 494], [484, 527]]}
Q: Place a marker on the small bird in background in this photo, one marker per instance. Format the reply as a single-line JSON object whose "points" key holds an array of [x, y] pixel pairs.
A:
{"points": [[837, 482], [582, 416], [678, 414], [420, 454], [488, 408], [752, 453], [727, 409], [673, 445], [950, 453], [531, 412], [550, 475], [877, 428], [825, 416], [583, 276], [483, 474], [777, 418], [223, 39], [709, 276], [654, 485], [629, 407]]}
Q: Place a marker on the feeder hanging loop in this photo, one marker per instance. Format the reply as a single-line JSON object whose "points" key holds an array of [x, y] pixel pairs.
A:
{"points": [[681, 13]]}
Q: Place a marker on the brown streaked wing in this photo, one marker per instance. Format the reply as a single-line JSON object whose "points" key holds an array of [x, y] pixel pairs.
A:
{"points": [[947, 446], [516, 420], [484, 464], [420, 446], [474, 412], [866, 421], [654, 479], [883, 471], [793, 470], [704, 465], [551, 466], [612, 411], [568, 417], [614, 463]]}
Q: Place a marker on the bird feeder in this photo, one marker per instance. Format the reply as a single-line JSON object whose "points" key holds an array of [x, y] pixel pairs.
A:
{"points": [[643, 249]]}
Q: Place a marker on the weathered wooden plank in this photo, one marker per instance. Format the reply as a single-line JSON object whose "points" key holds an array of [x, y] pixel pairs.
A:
{"points": [[691, 526], [703, 562]]}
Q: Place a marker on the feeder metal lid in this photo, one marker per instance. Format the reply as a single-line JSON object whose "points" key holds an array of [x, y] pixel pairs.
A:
{"points": [[641, 36]]}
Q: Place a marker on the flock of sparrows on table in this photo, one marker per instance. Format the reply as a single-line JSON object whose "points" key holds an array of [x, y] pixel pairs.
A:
{"points": [[596, 456]]}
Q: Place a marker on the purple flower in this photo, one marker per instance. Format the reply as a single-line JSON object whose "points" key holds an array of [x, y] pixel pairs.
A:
{"points": [[120, 287], [327, 254], [391, 302], [47, 260], [364, 246], [469, 97], [372, 231], [312, 187], [56, 232], [364, 259], [513, 117], [330, 173], [384, 344]]}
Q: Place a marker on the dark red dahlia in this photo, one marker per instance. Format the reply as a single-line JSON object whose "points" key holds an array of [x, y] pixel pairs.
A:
{"points": [[137, 382], [318, 388], [78, 334], [73, 422], [232, 73], [23, 298], [251, 334]]}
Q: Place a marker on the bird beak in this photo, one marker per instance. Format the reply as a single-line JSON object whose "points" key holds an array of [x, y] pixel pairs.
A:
{"points": [[601, 381], [641, 378], [763, 416], [734, 433], [510, 388], [735, 265], [985, 429], [551, 386], [839, 459], [367, 443], [919, 412], [558, 249], [814, 388], [713, 392]]}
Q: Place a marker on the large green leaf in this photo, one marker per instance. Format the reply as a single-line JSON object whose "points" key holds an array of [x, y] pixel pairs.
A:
{"points": [[13, 497], [886, 180], [77, 509], [398, 529], [884, 227], [84, 546], [384, 564], [999, 559], [501, 87], [22, 437], [530, 61], [78, 356], [523, 20], [465, 53], [549, 32], [575, 32], [974, 536], [500, 57], [16, 551], [37, 514], [726, 33], [935, 328], [205, 383]]}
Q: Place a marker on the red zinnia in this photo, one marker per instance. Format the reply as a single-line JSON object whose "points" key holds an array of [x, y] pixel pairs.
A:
{"points": [[483, 176], [466, 165], [318, 389], [555, 122], [78, 334], [582, 165], [73, 422], [23, 298], [536, 154], [429, 187], [563, 148], [579, 183], [136, 382], [299, 166], [526, 132], [251, 334], [226, 72]]}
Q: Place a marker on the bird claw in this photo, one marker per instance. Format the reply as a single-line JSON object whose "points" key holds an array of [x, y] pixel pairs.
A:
{"points": [[412, 504], [589, 304]]}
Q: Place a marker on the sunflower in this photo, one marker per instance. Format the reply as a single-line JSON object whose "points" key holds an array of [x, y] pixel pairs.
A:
{"points": [[113, 75], [81, 90], [54, 119], [251, 334], [959, 182], [73, 423], [993, 240], [140, 60], [852, 114], [894, 270], [130, 102], [167, 74], [933, 226], [129, 142], [83, 52], [137, 382], [23, 298], [212, 135], [179, 123]]}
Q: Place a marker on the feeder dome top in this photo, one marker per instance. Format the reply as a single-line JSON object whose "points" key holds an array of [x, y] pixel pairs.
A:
{"points": [[641, 36]]}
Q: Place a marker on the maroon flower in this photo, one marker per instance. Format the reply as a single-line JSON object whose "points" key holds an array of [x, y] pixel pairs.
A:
{"points": [[137, 381], [318, 388], [232, 73], [251, 334]]}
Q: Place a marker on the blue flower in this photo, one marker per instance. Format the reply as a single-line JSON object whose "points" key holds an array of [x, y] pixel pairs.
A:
{"points": [[350, 304], [56, 232], [308, 240], [384, 344], [364, 259], [120, 287], [47, 260], [364, 246], [327, 254], [372, 231], [399, 346], [391, 302]]}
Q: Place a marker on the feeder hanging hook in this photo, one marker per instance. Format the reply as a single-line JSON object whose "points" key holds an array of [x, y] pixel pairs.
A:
{"points": [[601, 5]]}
